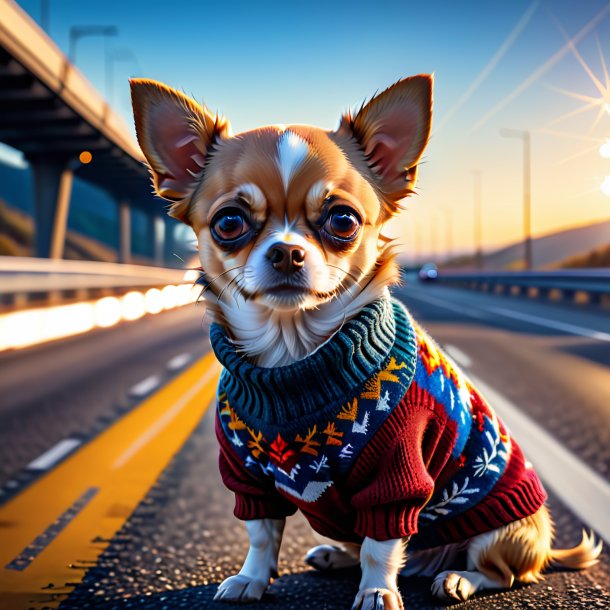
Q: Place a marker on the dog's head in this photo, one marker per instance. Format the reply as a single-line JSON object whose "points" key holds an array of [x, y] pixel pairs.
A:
{"points": [[286, 216]]}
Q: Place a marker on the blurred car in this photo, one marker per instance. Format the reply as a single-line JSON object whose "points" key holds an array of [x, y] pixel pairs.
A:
{"points": [[428, 272]]}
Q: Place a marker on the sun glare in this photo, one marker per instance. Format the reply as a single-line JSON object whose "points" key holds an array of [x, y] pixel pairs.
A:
{"points": [[605, 187]]}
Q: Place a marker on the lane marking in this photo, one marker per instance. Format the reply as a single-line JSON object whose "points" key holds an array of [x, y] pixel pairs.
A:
{"points": [[54, 454], [144, 387], [487, 313], [179, 361], [122, 464], [164, 420], [472, 313], [458, 355], [25, 558], [580, 488], [555, 324]]}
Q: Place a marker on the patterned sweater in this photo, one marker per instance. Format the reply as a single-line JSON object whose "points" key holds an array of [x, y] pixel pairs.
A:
{"points": [[375, 434]]}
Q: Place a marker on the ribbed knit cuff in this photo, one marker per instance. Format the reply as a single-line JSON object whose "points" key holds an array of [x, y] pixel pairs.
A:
{"points": [[252, 507], [387, 522]]}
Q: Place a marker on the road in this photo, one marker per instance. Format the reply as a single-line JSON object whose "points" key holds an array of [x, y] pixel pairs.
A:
{"points": [[132, 513]]}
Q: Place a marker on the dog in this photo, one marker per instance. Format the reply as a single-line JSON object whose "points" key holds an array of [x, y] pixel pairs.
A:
{"points": [[332, 399]]}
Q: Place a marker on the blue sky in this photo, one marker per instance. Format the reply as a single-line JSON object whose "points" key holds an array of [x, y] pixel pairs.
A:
{"points": [[283, 62]]}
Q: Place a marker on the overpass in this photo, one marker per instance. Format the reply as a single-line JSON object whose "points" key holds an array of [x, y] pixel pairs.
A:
{"points": [[52, 113]]}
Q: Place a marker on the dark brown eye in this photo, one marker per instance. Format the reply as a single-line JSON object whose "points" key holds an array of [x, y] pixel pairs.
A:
{"points": [[342, 224], [229, 225]]}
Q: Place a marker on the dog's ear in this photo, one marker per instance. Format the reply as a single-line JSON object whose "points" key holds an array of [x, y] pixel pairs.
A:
{"points": [[392, 131], [175, 134]]}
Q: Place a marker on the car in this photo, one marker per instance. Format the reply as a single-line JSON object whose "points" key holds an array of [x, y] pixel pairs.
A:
{"points": [[428, 272]]}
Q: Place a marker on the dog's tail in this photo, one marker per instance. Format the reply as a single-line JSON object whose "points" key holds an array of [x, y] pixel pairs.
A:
{"points": [[579, 557]]}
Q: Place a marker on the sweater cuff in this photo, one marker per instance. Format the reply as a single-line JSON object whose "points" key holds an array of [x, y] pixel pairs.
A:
{"points": [[253, 507], [388, 521]]}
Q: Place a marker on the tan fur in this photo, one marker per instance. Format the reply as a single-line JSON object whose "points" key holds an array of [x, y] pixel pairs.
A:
{"points": [[522, 550]]}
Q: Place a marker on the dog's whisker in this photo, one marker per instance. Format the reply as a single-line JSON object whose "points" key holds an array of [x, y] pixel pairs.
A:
{"points": [[211, 282]]}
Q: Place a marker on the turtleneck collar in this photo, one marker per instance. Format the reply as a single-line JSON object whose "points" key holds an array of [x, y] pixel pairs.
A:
{"points": [[315, 387]]}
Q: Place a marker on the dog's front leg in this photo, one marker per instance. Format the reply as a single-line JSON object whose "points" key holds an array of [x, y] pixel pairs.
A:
{"points": [[380, 563], [260, 564]]}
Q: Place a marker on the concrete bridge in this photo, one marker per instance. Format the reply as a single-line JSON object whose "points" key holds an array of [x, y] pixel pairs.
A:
{"points": [[63, 126]]}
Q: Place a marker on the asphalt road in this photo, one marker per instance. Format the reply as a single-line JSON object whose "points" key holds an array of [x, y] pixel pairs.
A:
{"points": [[181, 541]]}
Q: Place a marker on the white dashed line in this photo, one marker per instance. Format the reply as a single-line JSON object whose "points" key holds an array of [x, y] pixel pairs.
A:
{"points": [[179, 361], [171, 413], [584, 491], [144, 387], [458, 355], [54, 454]]}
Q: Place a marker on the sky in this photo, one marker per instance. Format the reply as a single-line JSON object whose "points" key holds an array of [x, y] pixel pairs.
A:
{"points": [[520, 64]]}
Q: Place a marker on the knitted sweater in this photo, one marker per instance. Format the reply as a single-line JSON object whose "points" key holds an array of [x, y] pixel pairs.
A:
{"points": [[375, 434]]}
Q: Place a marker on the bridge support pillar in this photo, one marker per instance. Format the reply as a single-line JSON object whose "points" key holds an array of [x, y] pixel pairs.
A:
{"points": [[52, 192], [124, 214], [170, 241], [156, 233]]}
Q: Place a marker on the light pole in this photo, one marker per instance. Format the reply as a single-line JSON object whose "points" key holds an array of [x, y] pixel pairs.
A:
{"points": [[524, 135], [81, 31], [478, 240], [115, 55], [448, 233]]}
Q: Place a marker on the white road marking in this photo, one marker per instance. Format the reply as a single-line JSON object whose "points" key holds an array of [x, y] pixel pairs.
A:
{"points": [[458, 355], [54, 454], [584, 491], [466, 311], [177, 362], [487, 313], [555, 324], [144, 387], [163, 421]]}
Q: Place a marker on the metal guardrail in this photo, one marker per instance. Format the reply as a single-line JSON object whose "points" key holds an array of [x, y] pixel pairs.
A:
{"points": [[578, 286], [28, 281]]}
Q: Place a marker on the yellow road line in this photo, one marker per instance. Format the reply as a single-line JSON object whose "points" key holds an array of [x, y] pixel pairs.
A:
{"points": [[68, 515]]}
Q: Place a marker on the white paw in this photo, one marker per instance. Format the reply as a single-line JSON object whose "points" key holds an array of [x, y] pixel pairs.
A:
{"points": [[449, 585], [328, 557], [378, 599], [240, 588]]}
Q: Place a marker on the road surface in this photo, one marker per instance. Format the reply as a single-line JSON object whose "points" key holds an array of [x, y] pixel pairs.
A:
{"points": [[110, 494]]}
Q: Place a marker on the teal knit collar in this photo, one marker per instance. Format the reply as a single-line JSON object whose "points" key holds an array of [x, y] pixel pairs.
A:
{"points": [[289, 397]]}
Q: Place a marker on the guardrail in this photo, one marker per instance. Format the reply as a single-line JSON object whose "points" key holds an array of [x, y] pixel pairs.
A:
{"points": [[577, 286], [27, 282], [45, 300]]}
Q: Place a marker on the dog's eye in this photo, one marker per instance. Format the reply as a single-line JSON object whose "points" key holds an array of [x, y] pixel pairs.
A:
{"points": [[342, 224], [229, 225]]}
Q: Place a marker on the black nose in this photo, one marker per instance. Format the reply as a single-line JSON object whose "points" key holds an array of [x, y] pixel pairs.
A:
{"points": [[286, 258]]}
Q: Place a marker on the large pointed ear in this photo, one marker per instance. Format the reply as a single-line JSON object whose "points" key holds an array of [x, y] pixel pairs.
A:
{"points": [[175, 134], [393, 130]]}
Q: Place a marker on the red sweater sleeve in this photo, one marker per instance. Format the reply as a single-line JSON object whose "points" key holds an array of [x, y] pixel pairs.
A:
{"points": [[254, 498], [396, 472]]}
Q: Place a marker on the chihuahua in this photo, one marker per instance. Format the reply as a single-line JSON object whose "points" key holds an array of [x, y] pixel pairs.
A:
{"points": [[332, 399]]}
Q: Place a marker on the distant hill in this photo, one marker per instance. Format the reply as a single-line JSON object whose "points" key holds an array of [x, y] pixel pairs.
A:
{"points": [[93, 217], [548, 251]]}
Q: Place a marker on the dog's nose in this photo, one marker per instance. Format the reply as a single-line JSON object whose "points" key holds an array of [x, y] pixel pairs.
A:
{"points": [[286, 258]]}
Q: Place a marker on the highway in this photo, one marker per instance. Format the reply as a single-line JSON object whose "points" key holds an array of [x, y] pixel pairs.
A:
{"points": [[110, 495]]}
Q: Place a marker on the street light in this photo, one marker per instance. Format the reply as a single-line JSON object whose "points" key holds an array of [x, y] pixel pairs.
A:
{"points": [[527, 189], [115, 55], [81, 31], [478, 240]]}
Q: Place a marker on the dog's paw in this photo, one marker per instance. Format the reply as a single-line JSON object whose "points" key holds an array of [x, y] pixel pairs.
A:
{"points": [[378, 599], [328, 557], [449, 585], [240, 588]]}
